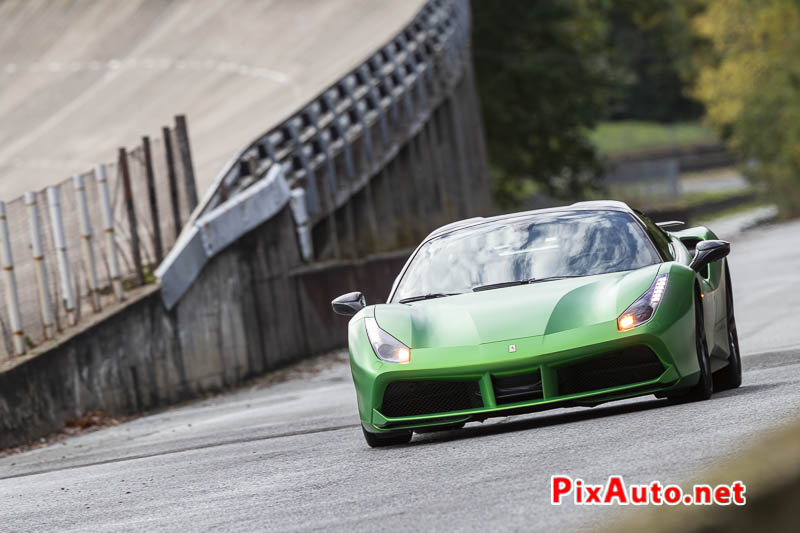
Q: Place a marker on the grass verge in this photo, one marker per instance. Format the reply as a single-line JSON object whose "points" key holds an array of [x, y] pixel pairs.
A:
{"points": [[626, 136]]}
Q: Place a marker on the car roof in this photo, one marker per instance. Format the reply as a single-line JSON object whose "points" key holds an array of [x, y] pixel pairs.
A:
{"points": [[593, 205]]}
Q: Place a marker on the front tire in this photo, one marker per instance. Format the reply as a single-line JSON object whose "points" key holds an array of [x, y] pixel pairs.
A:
{"points": [[379, 440], [730, 377], [704, 387]]}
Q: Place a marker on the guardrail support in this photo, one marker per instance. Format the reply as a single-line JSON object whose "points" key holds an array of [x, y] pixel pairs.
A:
{"points": [[329, 190], [12, 298], [45, 303], [108, 229], [182, 137], [86, 241], [297, 203], [173, 182], [54, 203], [151, 194], [311, 195], [126, 182]]}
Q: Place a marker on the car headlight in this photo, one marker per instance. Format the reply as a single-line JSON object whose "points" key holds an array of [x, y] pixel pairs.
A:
{"points": [[386, 347], [643, 309]]}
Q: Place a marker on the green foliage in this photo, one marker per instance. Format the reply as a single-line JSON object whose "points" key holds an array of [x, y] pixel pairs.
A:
{"points": [[623, 136], [549, 70], [750, 83], [653, 41], [543, 80]]}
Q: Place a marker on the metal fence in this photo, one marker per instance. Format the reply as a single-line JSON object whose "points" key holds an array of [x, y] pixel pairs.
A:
{"points": [[72, 250]]}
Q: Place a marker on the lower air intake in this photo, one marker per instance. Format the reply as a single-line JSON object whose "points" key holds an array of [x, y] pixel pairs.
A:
{"points": [[517, 388], [626, 367], [410, 398]]}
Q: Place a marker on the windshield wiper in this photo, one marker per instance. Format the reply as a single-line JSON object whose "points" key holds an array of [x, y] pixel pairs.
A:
{"points": [[499, 285], [430, 296], [517, 282], [551, 278]]}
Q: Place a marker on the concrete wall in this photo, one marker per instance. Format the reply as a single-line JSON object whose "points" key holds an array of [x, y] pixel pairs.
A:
{"points": [[437, 176], [256, 305], [246, 314]]}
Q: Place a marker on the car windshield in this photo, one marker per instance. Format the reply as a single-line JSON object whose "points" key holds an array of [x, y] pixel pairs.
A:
{"points": [[537, 247]]}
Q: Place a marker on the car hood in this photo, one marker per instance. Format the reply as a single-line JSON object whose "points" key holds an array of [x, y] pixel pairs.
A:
{"points": [[514, 312]]}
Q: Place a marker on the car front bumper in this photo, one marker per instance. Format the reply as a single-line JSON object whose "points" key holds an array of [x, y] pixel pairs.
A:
{"points": [[592, 365]]}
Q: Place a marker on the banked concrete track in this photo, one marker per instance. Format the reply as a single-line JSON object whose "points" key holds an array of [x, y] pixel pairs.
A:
{"points": [[80, 78]]}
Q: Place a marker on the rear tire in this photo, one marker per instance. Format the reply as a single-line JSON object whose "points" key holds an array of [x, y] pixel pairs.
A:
{"points": [[379, 440], [704, 387], [730, 377]]}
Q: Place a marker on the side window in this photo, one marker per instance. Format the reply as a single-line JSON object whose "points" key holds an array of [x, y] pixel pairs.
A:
{"points": [[658, 237]]}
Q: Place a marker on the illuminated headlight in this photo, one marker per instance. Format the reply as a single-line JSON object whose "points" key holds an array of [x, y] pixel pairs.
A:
{"points": [[386, 347], [643, 309]]}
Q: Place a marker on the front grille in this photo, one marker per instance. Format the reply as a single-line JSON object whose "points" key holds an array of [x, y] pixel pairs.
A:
{"points": [[410, 398], [626, 367], [519, 388]]}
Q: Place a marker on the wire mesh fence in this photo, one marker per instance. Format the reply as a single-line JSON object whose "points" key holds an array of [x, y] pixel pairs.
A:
{"points": [[59, 284]]}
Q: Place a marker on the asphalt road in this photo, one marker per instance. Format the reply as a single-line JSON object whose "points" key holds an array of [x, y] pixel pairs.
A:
{"points": [[291, 457], [715, 180]]}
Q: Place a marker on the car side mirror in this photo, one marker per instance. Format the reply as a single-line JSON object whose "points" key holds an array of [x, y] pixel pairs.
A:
{"points": [[349, 304], [707, 252]]}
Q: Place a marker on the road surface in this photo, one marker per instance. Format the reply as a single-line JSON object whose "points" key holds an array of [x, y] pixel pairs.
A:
{"points": [[79, 79], [290, 456], [715, 180]]}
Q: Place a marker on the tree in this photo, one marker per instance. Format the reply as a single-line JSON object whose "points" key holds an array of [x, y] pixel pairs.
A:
{"points": [[750, 83], [653, 42], [543, 76]]}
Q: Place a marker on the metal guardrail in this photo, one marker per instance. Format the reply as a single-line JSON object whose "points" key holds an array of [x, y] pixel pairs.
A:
{"points": [[318, 146], [329, 150], [72, 250], [641, 176], [638, 181]]}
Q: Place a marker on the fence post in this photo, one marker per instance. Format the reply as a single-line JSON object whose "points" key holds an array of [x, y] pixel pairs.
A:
{"points": [[54, 202], [182, 134], [108, 229], [151, 193], [86, 238], [126, 182], [173, 181], [45, 303], [12, 298]]}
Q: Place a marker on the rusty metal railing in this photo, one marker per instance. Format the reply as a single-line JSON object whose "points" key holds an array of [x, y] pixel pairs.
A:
{"points": [[72, 250]]}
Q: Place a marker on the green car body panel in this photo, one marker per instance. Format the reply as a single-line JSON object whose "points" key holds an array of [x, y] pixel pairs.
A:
{"points": [[551, 327]]}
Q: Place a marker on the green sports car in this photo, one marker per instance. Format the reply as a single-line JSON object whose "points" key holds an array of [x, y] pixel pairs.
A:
{"points": [[570, 306]]}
